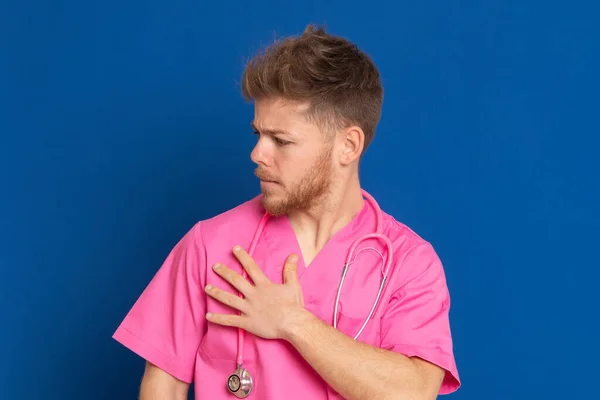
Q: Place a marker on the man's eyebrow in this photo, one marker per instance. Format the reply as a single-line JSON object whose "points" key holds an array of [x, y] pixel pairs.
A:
{"points": [[270, 131]]}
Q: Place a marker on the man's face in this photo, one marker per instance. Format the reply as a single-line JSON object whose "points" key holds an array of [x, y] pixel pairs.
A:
{"points": [[294, 161]]}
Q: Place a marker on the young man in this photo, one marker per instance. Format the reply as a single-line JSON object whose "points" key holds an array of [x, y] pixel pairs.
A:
{"points": [[269, 334]]}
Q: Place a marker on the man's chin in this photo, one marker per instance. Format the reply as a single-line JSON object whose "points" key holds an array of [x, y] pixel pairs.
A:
{"points": [[273, 204]]}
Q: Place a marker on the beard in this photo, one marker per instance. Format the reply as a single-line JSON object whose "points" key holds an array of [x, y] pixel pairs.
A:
{"points": [[310, 189]]}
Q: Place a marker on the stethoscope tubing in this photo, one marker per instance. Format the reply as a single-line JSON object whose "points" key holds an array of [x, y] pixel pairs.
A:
{"points": [[376, 235]]}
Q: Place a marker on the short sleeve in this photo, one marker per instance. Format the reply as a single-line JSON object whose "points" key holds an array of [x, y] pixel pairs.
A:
{"points": [[416, 321], [166, 323]]}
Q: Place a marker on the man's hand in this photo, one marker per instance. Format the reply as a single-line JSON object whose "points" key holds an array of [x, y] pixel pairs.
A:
{"points": [[352, 368], [267, 309]]}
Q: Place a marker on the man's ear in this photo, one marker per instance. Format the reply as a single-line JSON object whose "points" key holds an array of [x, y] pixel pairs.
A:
{"points": [[352, 144]]}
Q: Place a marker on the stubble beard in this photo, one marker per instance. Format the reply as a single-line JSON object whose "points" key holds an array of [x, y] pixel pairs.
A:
{"points": [[308, 193]]}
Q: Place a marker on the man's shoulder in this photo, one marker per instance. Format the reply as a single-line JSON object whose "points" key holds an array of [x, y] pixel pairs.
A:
{"points": [[241, 218], [402, 235], [412, 252]]}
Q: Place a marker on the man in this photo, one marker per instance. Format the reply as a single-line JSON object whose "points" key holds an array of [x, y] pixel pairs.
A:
{"points": [[317, 103]]}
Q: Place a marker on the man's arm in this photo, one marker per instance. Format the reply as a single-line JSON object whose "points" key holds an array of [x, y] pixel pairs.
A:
{"points": [[159, 385], [359, 371], [150, 330], [354, 369]]}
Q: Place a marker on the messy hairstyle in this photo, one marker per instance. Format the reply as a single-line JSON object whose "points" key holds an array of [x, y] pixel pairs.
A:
{"points": [[339, 82]]}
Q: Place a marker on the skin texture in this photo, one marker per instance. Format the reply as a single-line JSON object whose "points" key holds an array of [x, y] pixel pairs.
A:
{"points": [[158, 385], [312, 176]]}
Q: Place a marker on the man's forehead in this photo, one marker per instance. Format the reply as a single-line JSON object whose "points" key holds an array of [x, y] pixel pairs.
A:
{"points": [[283, 119], [277, 129]]}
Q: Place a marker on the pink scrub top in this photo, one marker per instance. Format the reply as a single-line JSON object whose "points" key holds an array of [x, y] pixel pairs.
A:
{"points": [[167, 324]]}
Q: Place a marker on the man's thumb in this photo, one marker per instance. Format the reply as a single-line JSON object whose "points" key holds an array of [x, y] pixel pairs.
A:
{"points": [[290, 269]]}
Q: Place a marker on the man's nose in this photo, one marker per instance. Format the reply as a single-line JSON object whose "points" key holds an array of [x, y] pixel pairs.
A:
{"points": [[259, 154]]}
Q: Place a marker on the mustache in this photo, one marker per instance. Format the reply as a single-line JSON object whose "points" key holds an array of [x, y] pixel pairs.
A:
{"points": [[264, 176]]}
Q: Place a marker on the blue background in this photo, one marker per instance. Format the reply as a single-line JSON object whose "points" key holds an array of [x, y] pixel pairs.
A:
{"points": [[487, 148]]}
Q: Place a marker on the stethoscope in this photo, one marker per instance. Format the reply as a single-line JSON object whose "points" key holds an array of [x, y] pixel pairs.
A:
{"points": [[240, 383]]}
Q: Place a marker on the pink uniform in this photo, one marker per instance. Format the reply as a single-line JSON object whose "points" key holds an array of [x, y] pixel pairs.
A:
{"points": [[167, 324]]}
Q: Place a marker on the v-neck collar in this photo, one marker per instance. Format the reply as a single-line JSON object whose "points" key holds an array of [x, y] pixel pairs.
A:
{"points": [[280, 230]]}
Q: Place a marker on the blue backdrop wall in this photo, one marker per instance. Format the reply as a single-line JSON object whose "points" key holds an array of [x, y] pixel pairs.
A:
{"points": [[121, 125]]}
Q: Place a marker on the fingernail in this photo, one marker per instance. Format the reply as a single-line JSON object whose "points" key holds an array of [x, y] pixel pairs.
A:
{"points": [[208, 315], [217, 266], [208, 287], [237, 248], [294, 258]]}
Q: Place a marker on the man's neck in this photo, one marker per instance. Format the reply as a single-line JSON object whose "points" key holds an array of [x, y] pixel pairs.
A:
{"points": [[314, 227]]}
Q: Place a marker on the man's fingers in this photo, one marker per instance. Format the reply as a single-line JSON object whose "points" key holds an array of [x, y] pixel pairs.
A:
{"points": [[290, 269], [248, 263], [227, 320], [227, 298], [236, 280]]}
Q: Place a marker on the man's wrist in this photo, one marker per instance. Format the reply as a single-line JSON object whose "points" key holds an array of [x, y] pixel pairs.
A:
{"points": [[297, 323]]}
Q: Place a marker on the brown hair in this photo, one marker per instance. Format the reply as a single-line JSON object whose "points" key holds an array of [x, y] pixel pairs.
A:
{"points": [[340, 82]]}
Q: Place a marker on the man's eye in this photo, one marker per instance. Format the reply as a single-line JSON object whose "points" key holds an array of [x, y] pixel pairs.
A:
{"points": [[278, 141], [281, 142]]}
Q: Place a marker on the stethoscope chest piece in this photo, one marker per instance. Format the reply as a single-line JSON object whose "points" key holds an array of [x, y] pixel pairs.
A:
{"points": [[240, 383]]}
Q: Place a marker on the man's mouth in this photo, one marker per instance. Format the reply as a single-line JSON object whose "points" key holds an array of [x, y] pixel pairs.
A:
{"points": [[264, 178]]}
